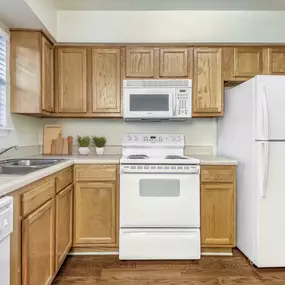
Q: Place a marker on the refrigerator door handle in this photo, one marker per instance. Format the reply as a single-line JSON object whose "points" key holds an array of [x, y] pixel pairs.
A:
{"points": [[265, 157], [265, 114]]}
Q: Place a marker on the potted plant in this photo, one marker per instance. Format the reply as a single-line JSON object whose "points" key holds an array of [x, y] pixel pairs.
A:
{"points": [[84, 143], [99, 143]]}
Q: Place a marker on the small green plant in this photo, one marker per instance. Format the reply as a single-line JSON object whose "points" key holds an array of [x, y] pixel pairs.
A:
{"points": [[83, 141], [99, 141]]}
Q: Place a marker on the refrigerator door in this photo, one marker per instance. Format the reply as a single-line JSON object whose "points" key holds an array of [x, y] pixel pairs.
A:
{"points": [[269, 107], [270, 165]]}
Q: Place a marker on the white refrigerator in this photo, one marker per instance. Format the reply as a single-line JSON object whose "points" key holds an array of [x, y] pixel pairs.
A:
{"points": [[253, 132]]}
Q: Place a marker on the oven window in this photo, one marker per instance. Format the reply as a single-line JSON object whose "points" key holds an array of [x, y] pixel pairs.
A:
{"points": [[146, 102], [159, 188]]}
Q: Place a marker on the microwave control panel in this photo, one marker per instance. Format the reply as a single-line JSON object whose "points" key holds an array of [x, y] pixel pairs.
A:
{"points": [[183, 102]]}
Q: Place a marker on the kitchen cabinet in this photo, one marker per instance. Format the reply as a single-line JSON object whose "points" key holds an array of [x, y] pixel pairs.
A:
{"points": [[218, 207], [106, 80], [71, 80], [96, 206], [38, 246], [141, 62], [63, 223], [31, 74], [174, 62], [242, 63], [276, 60], [207, 91]]}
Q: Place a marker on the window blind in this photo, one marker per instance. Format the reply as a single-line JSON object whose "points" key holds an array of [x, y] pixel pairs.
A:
{"points": [[3, 72]]}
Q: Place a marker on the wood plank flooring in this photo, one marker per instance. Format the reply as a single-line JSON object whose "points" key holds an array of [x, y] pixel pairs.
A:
{"points": [[105, 270]]}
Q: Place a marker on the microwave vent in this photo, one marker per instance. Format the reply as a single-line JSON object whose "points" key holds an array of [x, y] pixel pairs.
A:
{"points": [[156, 83]]}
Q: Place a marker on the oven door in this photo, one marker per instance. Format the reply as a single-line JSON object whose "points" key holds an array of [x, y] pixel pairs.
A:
{"points": [[148, 103], [159, 200]]}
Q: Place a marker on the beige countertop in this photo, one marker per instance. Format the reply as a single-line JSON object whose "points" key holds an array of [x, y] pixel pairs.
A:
{"points": [[10, 183], [214, 160]]}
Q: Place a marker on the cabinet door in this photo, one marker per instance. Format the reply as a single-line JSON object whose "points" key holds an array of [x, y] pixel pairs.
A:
{"points": [[63, 224], [208, 91], [140, 62], [217, 214], [95, 213], [38, 246], [173, 62], [71, 89], [277, 60], [247, 61], [106, 80], [47, 76]]}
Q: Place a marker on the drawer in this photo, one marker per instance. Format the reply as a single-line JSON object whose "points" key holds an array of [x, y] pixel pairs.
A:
{"points": [[37, 196], [214, 174], [64, 178], [159, 244], [95, 172]]}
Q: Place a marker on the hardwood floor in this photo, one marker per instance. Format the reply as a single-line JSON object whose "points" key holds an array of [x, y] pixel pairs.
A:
{"points": [[103, 270]]}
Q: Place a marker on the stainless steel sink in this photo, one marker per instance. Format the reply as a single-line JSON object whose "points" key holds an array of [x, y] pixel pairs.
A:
{"points": [[25, 166]]}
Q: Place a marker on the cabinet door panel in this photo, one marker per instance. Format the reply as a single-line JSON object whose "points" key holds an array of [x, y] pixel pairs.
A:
{"points": [[47, 76], [95, 213], [247, 61], [38, 246], [173, 62], [140, 62], [277, 61], [208, 97], [217, 214], [63, 218], [106, 80], [72, 80]]}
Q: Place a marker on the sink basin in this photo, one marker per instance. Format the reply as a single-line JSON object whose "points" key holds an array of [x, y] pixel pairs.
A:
{"points": [[25, 166]]}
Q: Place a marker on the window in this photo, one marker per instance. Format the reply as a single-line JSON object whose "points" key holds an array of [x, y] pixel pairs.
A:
{"points": [[3, 77]]}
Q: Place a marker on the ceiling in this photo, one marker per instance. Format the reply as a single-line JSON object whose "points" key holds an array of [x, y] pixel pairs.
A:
{"points": [[165, 5]]}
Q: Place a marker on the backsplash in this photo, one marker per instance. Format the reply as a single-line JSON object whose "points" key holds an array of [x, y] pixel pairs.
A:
{"points": [[200, 134]]}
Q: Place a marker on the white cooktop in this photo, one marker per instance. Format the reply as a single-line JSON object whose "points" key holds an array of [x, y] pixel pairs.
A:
{"points": [[155, 149]]}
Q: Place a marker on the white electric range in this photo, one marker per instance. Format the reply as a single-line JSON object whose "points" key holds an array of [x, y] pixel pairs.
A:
{"points": [[159, 199]]}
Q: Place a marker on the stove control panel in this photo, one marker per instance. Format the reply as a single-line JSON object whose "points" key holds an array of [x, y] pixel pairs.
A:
{"points": [[147, 139]]}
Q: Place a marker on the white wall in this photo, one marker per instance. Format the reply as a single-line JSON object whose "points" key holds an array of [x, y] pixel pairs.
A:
{"points": [[26, 131], [171, 26], [198, 132]]}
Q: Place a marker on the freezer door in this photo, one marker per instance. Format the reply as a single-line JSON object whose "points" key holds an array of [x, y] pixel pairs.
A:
{"points": [[269, 107], [270, 166]]}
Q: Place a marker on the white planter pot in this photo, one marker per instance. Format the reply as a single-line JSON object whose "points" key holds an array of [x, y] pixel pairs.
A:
{"points": [[84, 150], [99, 150]]}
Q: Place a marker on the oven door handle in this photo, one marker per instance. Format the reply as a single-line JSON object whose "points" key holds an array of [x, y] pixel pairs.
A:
{"points": [[127, 171]]}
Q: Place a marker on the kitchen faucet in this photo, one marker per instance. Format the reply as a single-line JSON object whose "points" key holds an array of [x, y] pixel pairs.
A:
{"points": [[15, 146]]}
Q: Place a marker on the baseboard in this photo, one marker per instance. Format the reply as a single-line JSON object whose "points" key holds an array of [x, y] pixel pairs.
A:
{"points": [[217, 251]]}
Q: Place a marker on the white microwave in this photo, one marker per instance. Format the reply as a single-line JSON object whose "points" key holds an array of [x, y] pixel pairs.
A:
{"points": [[157, 99]]}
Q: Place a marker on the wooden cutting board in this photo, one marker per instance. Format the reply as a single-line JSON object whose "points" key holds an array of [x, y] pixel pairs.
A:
{"points": [[59, 145], [50, 133]]}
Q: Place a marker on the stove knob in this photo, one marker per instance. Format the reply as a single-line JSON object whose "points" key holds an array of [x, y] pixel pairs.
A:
{"points": [[160, 139], [129, 138], [178, 138], [135, 138], [172, 138]]}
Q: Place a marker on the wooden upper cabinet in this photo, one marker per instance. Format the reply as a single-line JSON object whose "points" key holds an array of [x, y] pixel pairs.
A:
{"points": [[140, 62], [276, 60], [38, 246], [217, 214], [106, 80], [31, 73], [63, 223], [173, 62], [47, 75], [247, 61], [72, 80], [208, 93], [95, 213]]}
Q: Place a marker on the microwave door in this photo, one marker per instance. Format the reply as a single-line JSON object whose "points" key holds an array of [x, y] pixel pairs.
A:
{"points": [[148, 103]]}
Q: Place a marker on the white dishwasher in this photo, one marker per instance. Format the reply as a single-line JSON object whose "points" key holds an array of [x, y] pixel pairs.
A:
{"points": [[6, 228]]}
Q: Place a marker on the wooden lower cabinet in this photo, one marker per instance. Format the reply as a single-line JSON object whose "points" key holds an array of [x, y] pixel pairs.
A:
{"points": [[218, 206], [63, 224], [38, 246], [95, 214]]}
